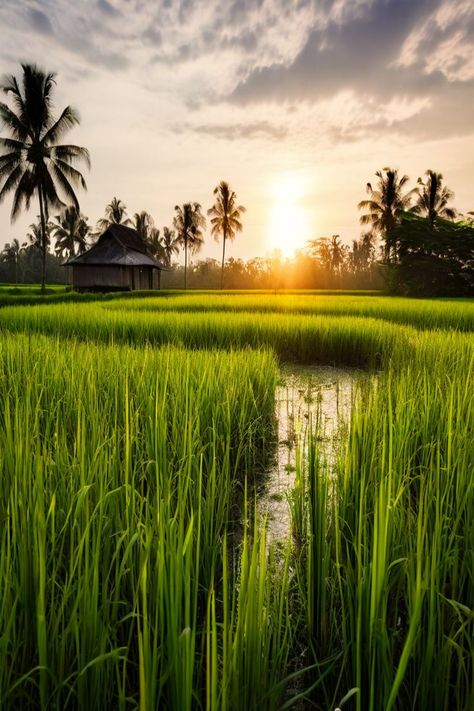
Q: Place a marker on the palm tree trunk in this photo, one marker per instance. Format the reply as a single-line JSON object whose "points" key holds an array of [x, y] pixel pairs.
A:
{"points": [[43, 240], [223, 259], [185, 260]]}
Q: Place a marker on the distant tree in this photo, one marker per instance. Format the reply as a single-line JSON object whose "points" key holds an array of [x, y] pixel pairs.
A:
{"points": [[188, 224], [32, 162], [338, 254], [362, 255], [35, 234], [386, 206], [115, 214], [225, 217], [320, 249], [11, 254], [154, 243], [69, 230], [143, 223], [433, 199], [433, 261], [169, 244]]}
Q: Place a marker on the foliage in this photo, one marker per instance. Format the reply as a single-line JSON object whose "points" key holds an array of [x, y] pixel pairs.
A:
{"points": [[32, 162], [70, 230], [115, 214], [189, 223], [433, 199], [169, 245], [125, 581], [433, 259], [226, 217], [386, 205]]}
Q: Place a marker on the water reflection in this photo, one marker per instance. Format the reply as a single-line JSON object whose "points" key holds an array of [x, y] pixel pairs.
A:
{"points": [[322, 396]]}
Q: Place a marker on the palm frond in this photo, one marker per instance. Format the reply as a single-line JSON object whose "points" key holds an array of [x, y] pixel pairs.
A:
{"points": [[24, 191], [66, 121], [72, 173]]}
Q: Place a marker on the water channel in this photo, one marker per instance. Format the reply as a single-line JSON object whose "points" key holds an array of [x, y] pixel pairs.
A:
{"points": [[305, 395]]}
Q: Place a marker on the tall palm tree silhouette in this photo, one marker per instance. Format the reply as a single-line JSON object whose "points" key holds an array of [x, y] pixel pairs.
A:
{"points": [[226, 216], [386, 205], [32, 161], [189, 223], [433, 199]]}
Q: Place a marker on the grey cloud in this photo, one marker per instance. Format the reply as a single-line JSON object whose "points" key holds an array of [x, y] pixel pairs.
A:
{"points": [[353, 55], [362, 56], [108, 9], [40, 22], [235, 131]]}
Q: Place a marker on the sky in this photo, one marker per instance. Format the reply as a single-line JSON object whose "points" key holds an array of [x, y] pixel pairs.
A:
{"points": [[296, 103]]}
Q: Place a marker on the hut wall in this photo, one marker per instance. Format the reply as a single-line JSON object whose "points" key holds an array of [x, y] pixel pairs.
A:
{"points": [[155, 278], [144, 278], [92, 276]]}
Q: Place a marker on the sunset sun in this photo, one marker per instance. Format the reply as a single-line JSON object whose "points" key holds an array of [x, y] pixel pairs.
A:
{"points": [[289, 222]]}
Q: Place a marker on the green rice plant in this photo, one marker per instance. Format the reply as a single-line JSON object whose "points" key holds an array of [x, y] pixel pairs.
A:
{"points": [[118, 469], [420, 313], [398, 587], [304, 339], [247, 653]]}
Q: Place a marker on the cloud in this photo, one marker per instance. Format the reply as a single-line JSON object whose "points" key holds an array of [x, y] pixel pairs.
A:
{"points": [[108, 9], [40, 22], [394, 50], [239, 131]]}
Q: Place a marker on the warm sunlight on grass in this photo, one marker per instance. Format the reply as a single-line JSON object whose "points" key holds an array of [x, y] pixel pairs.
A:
{"points": [[289, 222]]}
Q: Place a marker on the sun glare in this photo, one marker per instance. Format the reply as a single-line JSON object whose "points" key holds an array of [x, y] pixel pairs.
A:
{"points": [[289, 223]]}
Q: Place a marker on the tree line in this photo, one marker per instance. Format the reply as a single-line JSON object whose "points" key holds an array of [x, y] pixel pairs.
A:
{"points": [[427, 245]]}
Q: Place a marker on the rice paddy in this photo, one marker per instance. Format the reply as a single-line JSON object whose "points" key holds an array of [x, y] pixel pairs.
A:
{"points": [[136, 569]]}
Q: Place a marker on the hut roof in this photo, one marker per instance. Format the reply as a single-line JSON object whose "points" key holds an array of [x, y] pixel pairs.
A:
{"points": [[118, 245]]}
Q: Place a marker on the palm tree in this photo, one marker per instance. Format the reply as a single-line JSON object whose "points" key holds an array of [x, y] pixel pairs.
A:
{"points": [[115, 214], [226, 217], [154, 243], [169, 244], [189, 223], [433, 199], [71, 228], [35, 235], [11, 254], [338, 253], [386, 206], [143, 223], [32, 162]]}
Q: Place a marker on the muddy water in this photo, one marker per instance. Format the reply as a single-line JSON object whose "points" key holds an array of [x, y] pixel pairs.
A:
{"points": [[306, 394]]}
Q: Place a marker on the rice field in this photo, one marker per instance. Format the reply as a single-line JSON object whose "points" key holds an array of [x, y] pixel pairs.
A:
{"points": [[135, 571]]}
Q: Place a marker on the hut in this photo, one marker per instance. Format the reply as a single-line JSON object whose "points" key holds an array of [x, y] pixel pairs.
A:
{"points": [[118, 261]]}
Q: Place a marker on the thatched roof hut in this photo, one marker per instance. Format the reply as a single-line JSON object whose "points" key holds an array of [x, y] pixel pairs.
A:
{"points": [[119, 260]]}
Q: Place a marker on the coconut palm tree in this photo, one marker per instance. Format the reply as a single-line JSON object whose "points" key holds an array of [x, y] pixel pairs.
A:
{"points": [[35, 235], [226, 216], [386, 206], [433, 199], [169, 244], [32, 162], [338, 253], [189, 223], [70, 228], [115, 214], [11, 254], [143, 223], [154, 243]]}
